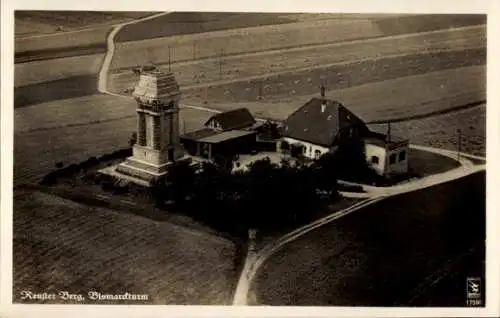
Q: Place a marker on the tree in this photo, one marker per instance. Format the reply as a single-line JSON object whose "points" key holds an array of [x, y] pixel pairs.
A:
{"points": [[179, 181], [347, 162], [269, 130]]}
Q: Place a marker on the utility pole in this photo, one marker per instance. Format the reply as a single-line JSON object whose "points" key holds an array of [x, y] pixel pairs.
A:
{"points": [[220, 63], [459, 131], [169, 59], [389, 131]]}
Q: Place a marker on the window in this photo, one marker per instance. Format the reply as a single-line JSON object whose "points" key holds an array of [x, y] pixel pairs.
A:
{"points": [[402, 155], [317, 153], [392, 159], [375, 159]]}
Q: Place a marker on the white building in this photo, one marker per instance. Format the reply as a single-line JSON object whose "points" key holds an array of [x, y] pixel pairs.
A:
{"points": [[320, 125]]}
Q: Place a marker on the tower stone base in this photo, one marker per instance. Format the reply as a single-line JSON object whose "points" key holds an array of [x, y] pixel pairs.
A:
{"points": [[144, 172]]}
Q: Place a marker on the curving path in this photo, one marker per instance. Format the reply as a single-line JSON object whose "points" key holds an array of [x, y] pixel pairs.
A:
{"points": [[110, 51], [255, 259]]}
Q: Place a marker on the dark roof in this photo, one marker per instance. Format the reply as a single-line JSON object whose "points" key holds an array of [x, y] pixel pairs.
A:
{"points": [[199, 134], [312, 125], [226, 135], [234, 119], [381, 140]]}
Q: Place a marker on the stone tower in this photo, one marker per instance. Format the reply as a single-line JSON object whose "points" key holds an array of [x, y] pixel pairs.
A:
{"points": [[157, 95]]}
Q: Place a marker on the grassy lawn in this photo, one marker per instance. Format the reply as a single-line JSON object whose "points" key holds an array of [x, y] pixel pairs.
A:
{"points": [[427, 163], [378, 256], [62, 245]]}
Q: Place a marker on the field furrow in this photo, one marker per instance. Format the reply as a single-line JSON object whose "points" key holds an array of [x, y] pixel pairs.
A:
{"points": [[171, 265], [236, 41], [262, 64]]}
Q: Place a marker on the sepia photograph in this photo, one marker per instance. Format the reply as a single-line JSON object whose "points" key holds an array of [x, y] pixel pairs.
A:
{"points": [[249, 159]]}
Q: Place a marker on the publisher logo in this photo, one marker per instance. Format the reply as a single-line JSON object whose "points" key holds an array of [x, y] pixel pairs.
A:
{"points": [[474, 291]]}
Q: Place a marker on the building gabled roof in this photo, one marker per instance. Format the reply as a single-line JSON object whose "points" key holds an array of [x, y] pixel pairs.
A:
{"points": [[234, 119], [319, 124], [199, 134], [385, 141]]}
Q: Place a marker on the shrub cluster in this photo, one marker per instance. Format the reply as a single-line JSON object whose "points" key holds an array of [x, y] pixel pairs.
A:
{"points": [[266, 196], [72, 169]]}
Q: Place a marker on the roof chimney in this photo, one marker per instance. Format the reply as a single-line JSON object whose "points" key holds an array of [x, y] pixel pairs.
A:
{"points": [[323, 101]]}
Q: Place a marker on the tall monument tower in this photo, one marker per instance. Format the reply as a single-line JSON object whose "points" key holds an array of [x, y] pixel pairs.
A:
{"points": [[157, 95]]}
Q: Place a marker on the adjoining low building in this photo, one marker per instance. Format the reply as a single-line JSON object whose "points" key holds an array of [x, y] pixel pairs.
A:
{"points": [[321, 125], [225, 134], [208, 143]]}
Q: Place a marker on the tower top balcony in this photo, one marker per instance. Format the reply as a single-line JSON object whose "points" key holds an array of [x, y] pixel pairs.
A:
{"points": [[156, 87]]}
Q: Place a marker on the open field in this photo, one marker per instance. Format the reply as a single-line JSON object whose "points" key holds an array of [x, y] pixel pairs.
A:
{"points": [[50, 70], [437, 91], [295, 84], [237, 41], [177, 23], [84, 38], [38, 36], [303, 58], [60, 245], [441, 131], [380, 255], [443, 90], [74, 111], [75, 86], [40, 22], [36, 152], [206, 72]]}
